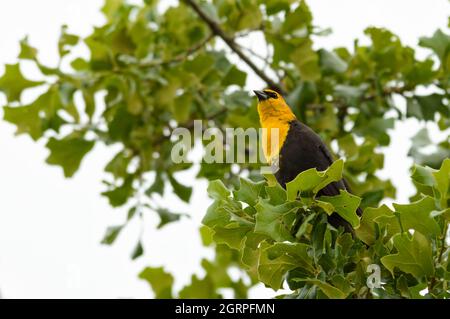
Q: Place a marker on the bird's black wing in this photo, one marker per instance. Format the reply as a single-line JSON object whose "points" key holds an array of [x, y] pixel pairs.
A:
{"points": [[304, 149]]}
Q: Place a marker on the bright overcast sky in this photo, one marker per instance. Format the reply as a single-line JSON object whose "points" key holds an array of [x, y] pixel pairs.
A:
{"points": [[50, 227]]}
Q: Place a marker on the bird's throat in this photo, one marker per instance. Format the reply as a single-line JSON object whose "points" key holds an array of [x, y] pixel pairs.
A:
{"points": [[275, 122]]}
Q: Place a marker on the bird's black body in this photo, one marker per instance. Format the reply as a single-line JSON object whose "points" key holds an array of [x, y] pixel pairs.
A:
{"points": [[303, 149]]}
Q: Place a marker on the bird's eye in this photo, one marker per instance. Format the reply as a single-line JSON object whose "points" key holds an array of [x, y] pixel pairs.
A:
{"points": [[271, 94]]}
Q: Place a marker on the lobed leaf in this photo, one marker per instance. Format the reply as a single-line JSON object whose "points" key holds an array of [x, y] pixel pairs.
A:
{"points": [[413, 255]]}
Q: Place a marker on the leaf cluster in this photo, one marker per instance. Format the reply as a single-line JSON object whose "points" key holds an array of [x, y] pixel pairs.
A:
{"points": [[284, 239]]}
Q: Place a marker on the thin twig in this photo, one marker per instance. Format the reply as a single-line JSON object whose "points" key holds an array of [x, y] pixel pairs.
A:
{"points": [[256, 54], [387, 91], [341, 105], [180, 57], [265, 60], [217, 30], [441, 253]]}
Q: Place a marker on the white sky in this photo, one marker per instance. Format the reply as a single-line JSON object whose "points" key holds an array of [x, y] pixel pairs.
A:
{"points": [[50, 227]]}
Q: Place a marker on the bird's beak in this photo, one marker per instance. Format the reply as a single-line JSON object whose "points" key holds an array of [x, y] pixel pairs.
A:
{"points": [[261, 95]]}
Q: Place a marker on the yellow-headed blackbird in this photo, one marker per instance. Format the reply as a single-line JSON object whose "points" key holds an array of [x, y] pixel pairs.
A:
{"points": [[299, 147]]}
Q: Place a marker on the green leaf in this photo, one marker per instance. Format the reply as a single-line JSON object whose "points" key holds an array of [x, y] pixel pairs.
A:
{"points": [[111, 8], [118, 165], [378, 129], [206, 235], [26, 118], [138, 251], [303, 227], [276, 260], [250, 251], [131, 212], [217, 190], [182, 107], [200, 65], [306, 61], [232, 234], [345, 204], [312, 181], [199, 289], [350, 93], [298, 20], [111, 234], [160, 281], [342, 283], [12, 83], [329, 290], [277, 194], [275, 6], [121, 123], [419, 142], [249, 191], [423, 175], [422, 138], [237, 101], [424, 181], [89, 102], [217, 272], [367, 230], [27, 52], [216, 215], [66, 41], [330, 62], [425, 107], [413, 255], [242, 15], [118, 196], [414, 109], [304, 93], [182, 191], [276, 221], [65, 92], [444, 213], [79, 64], [37, 117], [326, 207], [402, 286], [415, 290], [417, 216], [157, 186], [234, 76], [167, 217], [442, 177], [68, 152], [439, 43]]}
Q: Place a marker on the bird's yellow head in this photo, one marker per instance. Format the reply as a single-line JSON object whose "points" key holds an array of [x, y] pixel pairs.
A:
{"points": [[272, 105]]}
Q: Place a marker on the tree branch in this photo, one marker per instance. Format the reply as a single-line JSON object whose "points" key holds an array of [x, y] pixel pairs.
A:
{"points": [[179, 57], [217, 30], [441, 253], [339, 104], [386, 92], [265, 60]]}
